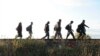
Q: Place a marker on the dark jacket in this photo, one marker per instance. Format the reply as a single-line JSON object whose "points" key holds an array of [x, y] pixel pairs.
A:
{"points": [[46, 28]]}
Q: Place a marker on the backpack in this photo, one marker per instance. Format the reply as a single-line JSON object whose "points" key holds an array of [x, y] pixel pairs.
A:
{"points": [[67, 27], [79, 28], [27, 29]]}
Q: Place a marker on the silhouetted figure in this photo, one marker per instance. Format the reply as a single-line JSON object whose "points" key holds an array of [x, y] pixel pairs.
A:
{"points": [[29, 29], [57, 28], [70, 30], [46, 29], [19, 30], [81, 29]]}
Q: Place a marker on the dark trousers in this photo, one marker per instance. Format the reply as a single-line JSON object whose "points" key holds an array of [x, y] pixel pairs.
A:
{"points": [[47, 35], [58, 33], [70, 32], [81, 33]]}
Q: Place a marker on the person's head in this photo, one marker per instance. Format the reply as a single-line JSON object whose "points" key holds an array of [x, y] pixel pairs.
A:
{"points": [[59, 20], [31, 23], [71, 22], [83, 21], [48, 22], [20, 23]]}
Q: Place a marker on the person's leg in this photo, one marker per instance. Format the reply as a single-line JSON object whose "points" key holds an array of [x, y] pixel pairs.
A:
{"points": [[60, 34], [80, 34], [47, 35], [83, 35], [56, 34], [30, 35], [72, 35], [44, 37], [20, 35], [67, 35]]}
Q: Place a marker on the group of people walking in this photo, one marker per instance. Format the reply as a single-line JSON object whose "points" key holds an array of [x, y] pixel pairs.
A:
{"points": [[57, 28], [80, 29], [19, 30]]}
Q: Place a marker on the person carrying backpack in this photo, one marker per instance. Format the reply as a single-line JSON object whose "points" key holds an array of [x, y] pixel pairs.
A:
{"points": [[70, 30], [29, 29], [81, 29], [46, 29], [55, 27], [58, 29]]}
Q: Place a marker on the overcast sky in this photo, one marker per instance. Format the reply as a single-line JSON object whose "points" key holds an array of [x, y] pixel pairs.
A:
{"points": [[40, 11]]}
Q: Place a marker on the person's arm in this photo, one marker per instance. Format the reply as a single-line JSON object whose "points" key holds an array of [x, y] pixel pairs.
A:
{"points": [[87, 26]]}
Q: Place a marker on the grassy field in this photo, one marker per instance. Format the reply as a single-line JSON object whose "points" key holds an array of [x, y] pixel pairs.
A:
{"points": [[38, 47]]}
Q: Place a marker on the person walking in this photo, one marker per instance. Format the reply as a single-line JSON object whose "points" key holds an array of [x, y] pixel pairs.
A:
{"points": [[57, 28], [70, 30], [46, 29], [81, 29], [19, 30], [29, 29]]}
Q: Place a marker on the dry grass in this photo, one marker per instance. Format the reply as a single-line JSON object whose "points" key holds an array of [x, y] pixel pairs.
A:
{"points": [[32, 47]]}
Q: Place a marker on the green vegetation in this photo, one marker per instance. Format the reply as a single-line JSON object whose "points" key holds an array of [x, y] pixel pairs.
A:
{"points": [[32, 47]]}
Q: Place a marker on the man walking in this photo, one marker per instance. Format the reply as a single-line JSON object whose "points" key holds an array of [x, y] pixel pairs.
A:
{"points": [[58, 29], [46, 29], [29, 29], [70, 30], [81, 29], [19, 30]]}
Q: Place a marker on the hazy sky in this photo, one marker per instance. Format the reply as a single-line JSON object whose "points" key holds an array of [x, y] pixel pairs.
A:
{"points": [[40, 11]]}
